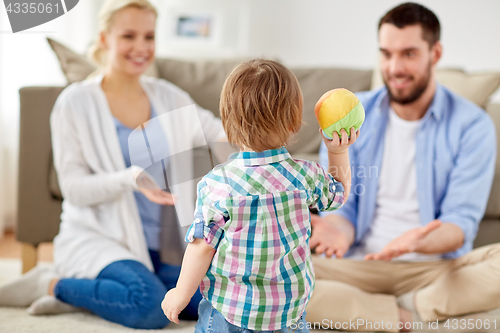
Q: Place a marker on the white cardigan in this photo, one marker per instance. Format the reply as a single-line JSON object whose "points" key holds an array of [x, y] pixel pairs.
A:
{"points": [[100, 223]]}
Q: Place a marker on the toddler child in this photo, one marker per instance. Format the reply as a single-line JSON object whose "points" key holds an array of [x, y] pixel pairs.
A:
{"points": [[249, 242]]}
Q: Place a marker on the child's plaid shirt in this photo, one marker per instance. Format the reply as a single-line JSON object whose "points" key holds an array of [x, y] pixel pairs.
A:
{"points": [[254, 211]]}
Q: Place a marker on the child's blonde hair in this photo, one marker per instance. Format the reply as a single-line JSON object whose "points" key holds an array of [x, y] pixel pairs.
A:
{"points": [[96, 52], [261, 105]]}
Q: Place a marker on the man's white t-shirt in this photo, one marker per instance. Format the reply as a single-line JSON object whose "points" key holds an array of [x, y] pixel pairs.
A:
{"points": [[397, 209]]}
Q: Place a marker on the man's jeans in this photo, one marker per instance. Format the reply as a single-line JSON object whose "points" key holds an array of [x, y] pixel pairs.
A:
{"points": [[212, 321], [126, 292]]}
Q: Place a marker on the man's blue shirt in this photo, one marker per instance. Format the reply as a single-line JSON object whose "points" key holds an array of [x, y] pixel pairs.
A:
{"points": [[455, 162]]}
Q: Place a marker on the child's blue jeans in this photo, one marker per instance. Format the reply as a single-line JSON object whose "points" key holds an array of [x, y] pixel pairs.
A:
{"points": [[126, 292], [212, 321]]}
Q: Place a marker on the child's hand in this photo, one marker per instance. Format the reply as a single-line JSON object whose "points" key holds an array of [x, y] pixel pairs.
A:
{"points": [[337, 145], [173, 303]]}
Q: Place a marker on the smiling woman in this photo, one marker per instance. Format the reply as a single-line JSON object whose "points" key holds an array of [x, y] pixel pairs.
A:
{"points": [[126, 39], [126, 48], [107, 252]]}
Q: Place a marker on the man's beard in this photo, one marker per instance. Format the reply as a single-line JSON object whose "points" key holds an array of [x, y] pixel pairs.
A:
{"points": [[417, 91]]}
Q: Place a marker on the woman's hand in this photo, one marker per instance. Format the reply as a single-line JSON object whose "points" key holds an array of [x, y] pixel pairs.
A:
{"points": [[159, 196], [339, 145], [150, 188], [173, 303]]}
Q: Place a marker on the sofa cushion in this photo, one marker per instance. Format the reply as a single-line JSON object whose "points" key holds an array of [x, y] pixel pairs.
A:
{"points": [[476, 87], [77, 67], [202, 80]]}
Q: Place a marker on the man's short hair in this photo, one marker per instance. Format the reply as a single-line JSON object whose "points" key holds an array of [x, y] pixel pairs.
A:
{"points": [[410, 14]]}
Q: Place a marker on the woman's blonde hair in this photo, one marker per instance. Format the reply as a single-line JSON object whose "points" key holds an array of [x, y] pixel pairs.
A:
{"points": [[96, 52], [261, 105]]}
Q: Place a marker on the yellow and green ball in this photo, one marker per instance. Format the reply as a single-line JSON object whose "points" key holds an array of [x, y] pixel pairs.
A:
{"points": [[339, 109]]}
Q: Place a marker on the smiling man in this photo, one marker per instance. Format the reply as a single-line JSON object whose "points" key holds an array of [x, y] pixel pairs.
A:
{"points": [[422, 171]]}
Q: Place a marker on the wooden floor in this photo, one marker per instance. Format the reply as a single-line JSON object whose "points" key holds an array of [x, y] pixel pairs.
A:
{"points": [[10, 248]]}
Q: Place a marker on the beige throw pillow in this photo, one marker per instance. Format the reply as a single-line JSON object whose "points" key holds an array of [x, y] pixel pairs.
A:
{"points": [[77, 67], [476, 87], [202, 80]]}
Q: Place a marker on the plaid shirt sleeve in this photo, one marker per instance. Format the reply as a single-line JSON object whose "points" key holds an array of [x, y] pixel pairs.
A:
{"points": [[328, 194], [209, 218]]}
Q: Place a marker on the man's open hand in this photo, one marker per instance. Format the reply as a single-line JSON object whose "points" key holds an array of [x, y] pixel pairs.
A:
{"points": [[329, 237], [406, 243]]}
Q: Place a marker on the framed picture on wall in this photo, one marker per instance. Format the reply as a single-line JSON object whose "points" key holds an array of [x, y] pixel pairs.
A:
{"points": [[202, 30], [194, 26]]}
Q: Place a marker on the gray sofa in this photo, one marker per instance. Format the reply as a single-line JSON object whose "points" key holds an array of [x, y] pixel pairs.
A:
{"points": [[39, 202]]}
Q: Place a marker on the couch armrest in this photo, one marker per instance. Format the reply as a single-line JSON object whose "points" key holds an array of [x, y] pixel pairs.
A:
{"points": [[488, 233], [38, 211], [493, 208]]}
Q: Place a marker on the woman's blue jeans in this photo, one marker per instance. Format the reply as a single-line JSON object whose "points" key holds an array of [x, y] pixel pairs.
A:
{"points": [[126, 292]]}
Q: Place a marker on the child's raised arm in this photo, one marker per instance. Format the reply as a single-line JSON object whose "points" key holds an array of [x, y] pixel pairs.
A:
{"points": [[197, 260], [338, 158]]}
